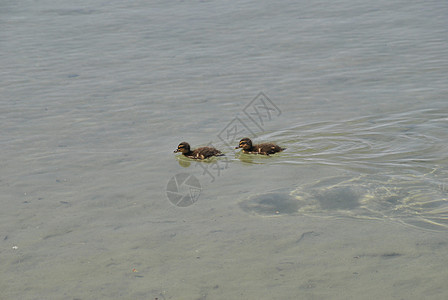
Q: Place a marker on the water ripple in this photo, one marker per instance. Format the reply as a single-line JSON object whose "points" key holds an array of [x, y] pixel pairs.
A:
{"points": [[409, 140], [413, 200], [398, 164]]}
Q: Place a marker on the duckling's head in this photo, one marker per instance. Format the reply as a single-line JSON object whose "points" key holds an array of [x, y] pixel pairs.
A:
{"points": [[245, 143], [183, 147]]}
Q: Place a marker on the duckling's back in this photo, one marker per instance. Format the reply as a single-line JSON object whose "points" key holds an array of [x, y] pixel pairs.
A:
{"points": [[205, 152], [267, 148]]}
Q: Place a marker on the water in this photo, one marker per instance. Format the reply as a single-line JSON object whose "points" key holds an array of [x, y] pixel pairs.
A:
{"points": [[95, 97]]}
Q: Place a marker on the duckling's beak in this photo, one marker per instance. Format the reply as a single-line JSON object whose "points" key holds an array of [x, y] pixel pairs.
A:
{"points": [[177, 150], [237, 147]]}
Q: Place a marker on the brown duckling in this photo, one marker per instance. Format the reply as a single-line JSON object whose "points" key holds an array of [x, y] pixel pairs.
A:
{"points": [[266, 149], [200, 153]]}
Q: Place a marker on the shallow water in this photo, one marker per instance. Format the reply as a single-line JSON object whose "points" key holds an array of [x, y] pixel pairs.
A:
{"points": [[397, 163], [95, 97]]}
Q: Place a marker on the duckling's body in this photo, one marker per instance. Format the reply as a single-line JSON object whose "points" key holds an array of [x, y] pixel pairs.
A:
{"points": [[199, 153], [265, 149]]}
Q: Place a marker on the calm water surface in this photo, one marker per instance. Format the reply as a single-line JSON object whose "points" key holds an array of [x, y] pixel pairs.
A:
{"points": [[95, 97]]}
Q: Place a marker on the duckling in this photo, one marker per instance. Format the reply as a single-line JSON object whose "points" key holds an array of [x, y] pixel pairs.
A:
{"points": [[200, 153], [266, 149]]}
